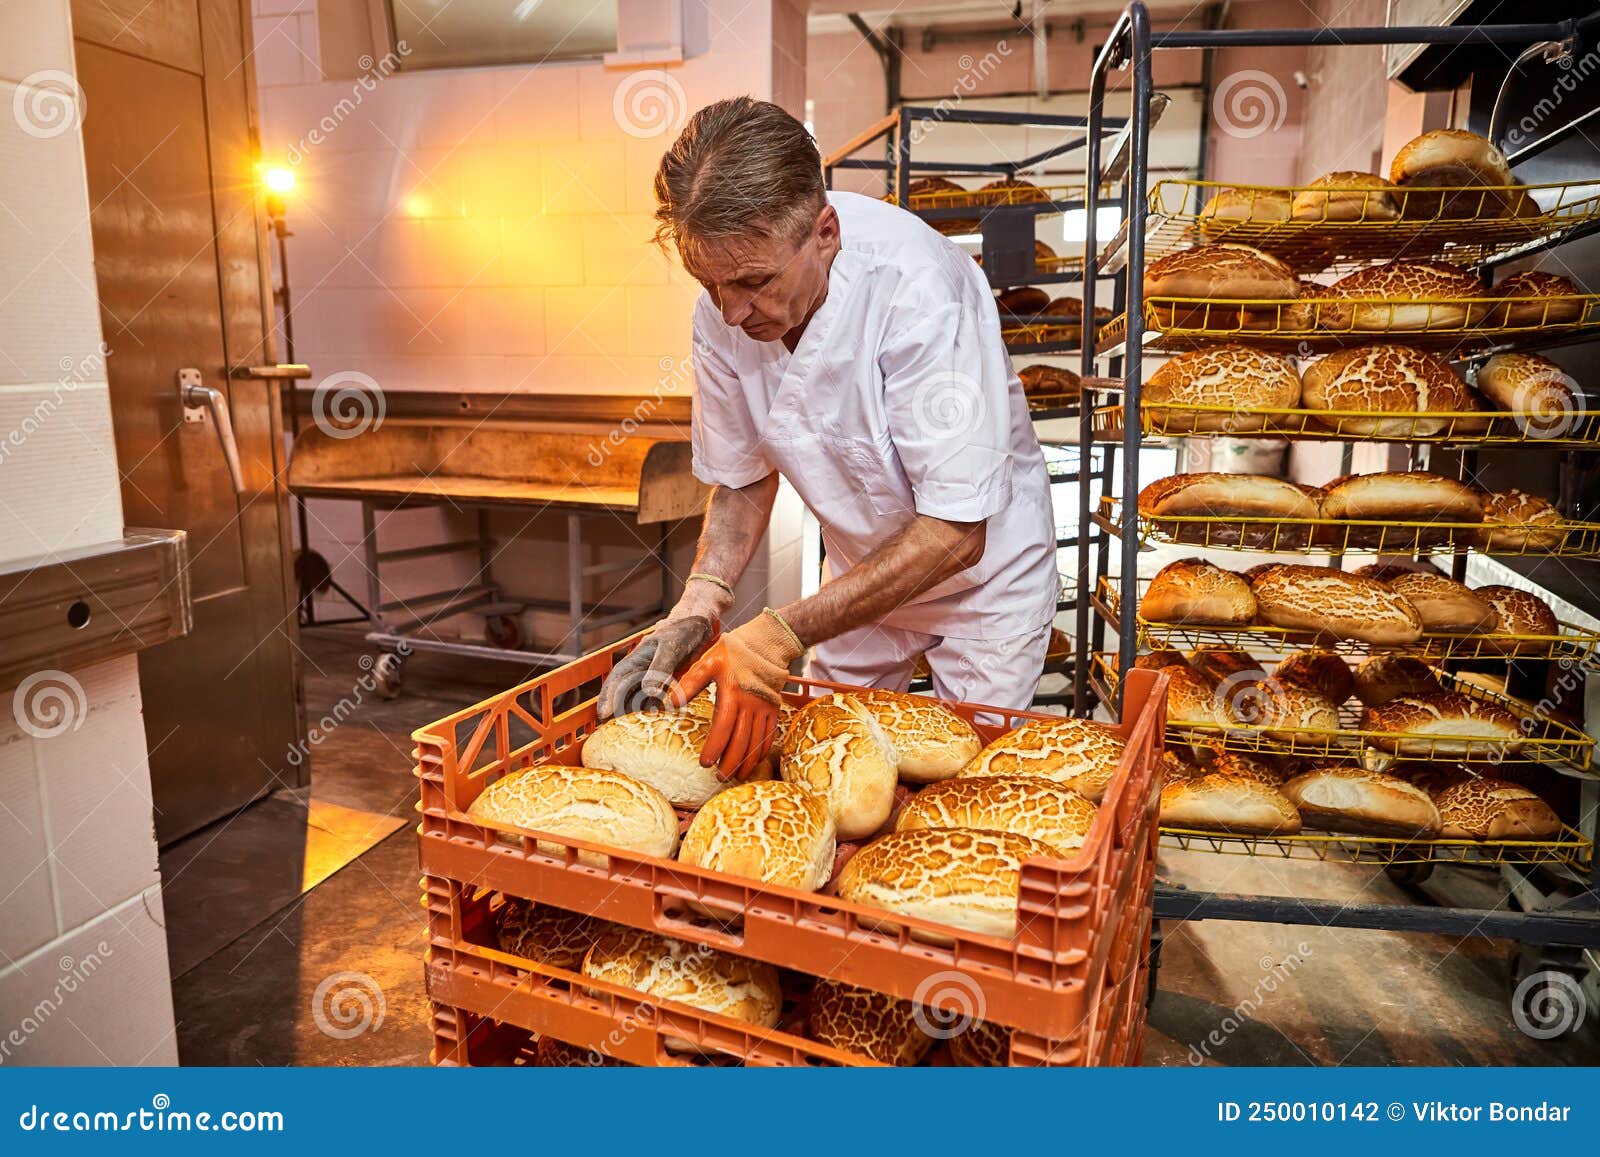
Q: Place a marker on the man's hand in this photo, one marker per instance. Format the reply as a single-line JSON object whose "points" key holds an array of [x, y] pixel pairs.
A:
{"points": [[641, 679], [749, 665]]}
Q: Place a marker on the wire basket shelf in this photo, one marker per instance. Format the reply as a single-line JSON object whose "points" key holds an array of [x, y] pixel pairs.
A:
{"points": [[1571, 849]]}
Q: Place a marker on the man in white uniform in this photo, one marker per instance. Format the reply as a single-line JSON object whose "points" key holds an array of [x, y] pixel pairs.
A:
{"points": [[847, 346]]}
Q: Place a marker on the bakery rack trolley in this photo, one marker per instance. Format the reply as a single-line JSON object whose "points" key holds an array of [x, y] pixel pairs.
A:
{"points": [[1006, 222], [1560, 931]]}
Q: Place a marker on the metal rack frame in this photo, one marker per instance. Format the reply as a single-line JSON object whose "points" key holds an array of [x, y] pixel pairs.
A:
{"points": [[1560, 927]]}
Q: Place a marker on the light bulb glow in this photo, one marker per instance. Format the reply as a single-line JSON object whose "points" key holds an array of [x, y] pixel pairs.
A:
{"points": [[278, 180]]}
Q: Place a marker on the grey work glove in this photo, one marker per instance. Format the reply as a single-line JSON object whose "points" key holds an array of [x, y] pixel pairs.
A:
{"points": [[641, 679]]}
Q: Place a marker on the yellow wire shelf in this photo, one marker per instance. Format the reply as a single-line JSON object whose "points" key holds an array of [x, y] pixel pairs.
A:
{"points": [[1352, 535], [1543, 740], [1571, 849], [1572, 646], [1040, 332], [1041, 403], [1029, 194], [1486, 428], [1463, 225]]}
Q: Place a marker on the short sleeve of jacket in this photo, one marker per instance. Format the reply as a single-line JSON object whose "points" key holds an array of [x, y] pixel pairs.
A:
{"points": [[948, 410], [723, 435]]}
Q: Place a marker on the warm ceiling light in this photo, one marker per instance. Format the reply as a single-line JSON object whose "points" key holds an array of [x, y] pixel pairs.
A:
{"points": [[278, 180]]}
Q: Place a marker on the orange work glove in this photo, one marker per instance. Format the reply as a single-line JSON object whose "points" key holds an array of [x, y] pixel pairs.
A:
{"points": [[749, 665]]}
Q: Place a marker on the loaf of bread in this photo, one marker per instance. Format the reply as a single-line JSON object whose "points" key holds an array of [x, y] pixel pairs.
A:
{"points": [[940, 191], [837, 748], [1535, 299], [1198, 593], [660, 748], [1444, 604], [1160, 660], [667, 969], [1192, 700], [1321, 599], [1451, 159], [1323, 672], [933, 742], [1493, 809], [548, 935], [984, 1045], [1220, 271], [1026, 300], [1518, 613], [858, 1020], [1038, 380], [1348, 798], [1393, 379], [1263, 769], [1305, 312], [1282, 711], [1534, 386], [582, 803], [1403, 295], [1231, 208], [1027, 805], [1443, 724], [1402, 496], [1013, 191], [1385, 677], [1215, 802], [777, 833], [955, 876], [1346, 196], [1217, 662], [1227, 496], [1517, 522], [1243, 379], [1077, 753]]}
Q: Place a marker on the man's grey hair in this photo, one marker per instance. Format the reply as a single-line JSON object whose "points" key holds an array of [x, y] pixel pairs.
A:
{"points": [[740, 167]]}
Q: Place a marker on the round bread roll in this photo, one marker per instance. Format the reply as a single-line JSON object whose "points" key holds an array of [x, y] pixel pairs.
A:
{"points": [[858, 1020], [1493, 809], [933, 742], [1196, 592], [1403, 295], [1346, 196], [1347, 798], [1537, 299], [583, 803], [1027, 805], [1215, 802], [960, 877], [1026, 300], [1402, 495], [1315, 598], [1243, 379], [548, 935], [1443, 724], [837, 748], [1231, 208], [1518, 523], [778, 833], [1544, 394], [1385, 677], [983, 1045], [1320, 671], [1220, 271], [660, 748], [1518, 613], [1217, 662], [692, 974], [1450, 159], [1076, 753], [1192, 700], [1049, 380], [1443, 604], [1381, 379]]}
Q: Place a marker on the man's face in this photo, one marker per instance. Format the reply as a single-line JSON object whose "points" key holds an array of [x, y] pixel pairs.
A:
{"points": [[767, 285]]}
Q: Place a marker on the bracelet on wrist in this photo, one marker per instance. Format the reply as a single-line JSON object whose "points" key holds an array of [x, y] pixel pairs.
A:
{"points": [[702, 576]]}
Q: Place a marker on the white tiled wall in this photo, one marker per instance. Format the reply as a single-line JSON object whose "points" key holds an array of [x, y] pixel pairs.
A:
{"points": [[83, 960]]}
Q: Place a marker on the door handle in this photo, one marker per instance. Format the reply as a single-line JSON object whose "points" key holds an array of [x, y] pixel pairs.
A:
{"points": [[197, 398]]}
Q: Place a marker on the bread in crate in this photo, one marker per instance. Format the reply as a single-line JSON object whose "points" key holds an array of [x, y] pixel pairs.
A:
{"points": [[589, 804], [883, 1028], [838, 749], [1077, 753], [660, 748], [932, 741], [1028, 805], [774, 832]]}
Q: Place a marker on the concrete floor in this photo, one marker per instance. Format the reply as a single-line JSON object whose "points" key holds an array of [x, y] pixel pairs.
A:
{"points": [[255, 968]]}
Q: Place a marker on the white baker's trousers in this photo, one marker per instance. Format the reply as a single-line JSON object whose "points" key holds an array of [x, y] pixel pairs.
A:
{"points": [[991, 672]]}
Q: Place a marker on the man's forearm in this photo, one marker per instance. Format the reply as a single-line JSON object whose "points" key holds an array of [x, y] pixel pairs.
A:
{"points": [[918, 557], [735, 521]]}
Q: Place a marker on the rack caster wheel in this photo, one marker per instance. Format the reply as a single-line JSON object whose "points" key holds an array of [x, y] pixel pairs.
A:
{"points": [[388, 671], [1546, 1002], [1409, 875], [503, 631]]}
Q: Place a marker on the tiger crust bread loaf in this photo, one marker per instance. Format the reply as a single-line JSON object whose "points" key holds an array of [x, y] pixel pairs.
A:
{"points": [[1282, 711], [1518, 613], [547, 935], [778, 833], [1385, 677], [1025, 300], [1192, 699], [1346, 196], [1220, 271], [956, 876], [1076, 753], [1403, 496], [1451, 159], [1199, 593], [691, 974], [1233, 376], [1160, 660], [1321, 671], [1255, 768], [1532, 385], [1314, 598], [859, 1020], [1228, 496], [1403, 295], [1217, 662], [984, 1045], [1027, 805], [1215, 802], [1305, 312], [660, 748], [1538, 299], [1386, 379], [933, 742], [584, 803], [1233, 207], [1443, 724], [1520, 522], [1492, 809], [1443, 603], [1347, 798], [839, 750], [1043, 379]]}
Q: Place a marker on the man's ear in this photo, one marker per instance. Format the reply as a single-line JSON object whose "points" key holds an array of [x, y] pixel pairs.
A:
{"points": [[826, 229]]}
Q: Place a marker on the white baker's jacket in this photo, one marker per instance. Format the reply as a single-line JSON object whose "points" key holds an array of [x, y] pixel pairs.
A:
{"points": [[899, 399]]}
